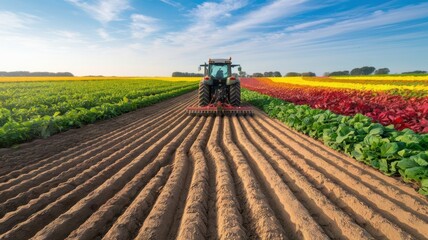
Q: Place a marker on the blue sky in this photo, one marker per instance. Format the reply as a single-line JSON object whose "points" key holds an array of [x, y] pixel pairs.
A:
{"points": [[157, 37]]}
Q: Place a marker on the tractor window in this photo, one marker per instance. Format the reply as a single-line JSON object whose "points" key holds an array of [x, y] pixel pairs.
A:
{"points": [[219, 71]]}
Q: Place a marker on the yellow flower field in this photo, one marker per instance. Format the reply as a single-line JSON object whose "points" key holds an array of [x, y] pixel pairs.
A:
{"points": [[330, 83], [382, 78], [40, 79]]}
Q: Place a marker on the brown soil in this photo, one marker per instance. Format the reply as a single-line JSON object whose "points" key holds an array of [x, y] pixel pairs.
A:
{"points": [[158, 174]]}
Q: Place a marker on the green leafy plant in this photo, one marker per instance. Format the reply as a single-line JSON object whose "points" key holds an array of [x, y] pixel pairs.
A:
{"points": [[31, 110]]}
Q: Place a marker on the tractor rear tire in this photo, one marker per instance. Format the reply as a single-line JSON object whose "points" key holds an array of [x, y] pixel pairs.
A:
{"points": [[235, 94], [204, 94]]}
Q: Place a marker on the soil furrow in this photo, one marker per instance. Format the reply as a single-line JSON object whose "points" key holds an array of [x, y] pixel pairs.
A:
{"points": [[284, 200], [194, 219], [82, 190], [62, 226], [51, 178], [407, 220], [112, 162], [69, 141], [225, 220], [380, 183], [259, 218], [157, 173], [99, 223], [336, 223], [109, 141], [364, 214], [158, 222], [386, 184], [125, 227], [125, 196]]}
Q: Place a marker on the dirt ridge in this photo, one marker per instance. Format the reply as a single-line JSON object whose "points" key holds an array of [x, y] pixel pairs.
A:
{"points": [[158, 174]]}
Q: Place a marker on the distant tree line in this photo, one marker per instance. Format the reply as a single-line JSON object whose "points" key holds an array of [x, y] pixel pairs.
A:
{"points": [[186, 74], [267, 74], [278, 74], [362, 71], [368, 70], [415, 72], [303, 74], [35, 74]]}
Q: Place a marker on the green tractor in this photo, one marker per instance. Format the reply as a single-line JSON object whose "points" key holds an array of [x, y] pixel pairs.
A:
{"points": [[219, 90]]}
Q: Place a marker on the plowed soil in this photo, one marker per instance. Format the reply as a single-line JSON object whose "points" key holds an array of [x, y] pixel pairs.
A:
{"points": [[158, 174]]}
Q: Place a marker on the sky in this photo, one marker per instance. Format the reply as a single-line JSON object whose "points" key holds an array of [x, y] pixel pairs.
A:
{"points": [[158, 37]]}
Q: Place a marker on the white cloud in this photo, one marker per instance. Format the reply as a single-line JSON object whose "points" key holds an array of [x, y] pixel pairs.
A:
{"points": [[10, 20], [308, 24], [103, 11], [377, 19], [68, 36], [212, 11], [268, 13], [172, 3], [142, 26], [104, 34]]}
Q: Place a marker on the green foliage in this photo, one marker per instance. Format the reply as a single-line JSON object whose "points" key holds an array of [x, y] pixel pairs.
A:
{"points": [[257, 75], [363, 71], [408, 93], [382, 71], [338, 73], [417, 72], [293, 74], [31, 110], [271, 74], [392, 152]]}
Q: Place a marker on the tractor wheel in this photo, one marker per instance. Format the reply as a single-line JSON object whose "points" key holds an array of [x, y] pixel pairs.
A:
{"points": [[235, 94], [204, 94]]}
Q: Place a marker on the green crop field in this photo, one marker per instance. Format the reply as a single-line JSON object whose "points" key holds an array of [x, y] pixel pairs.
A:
{"points": [[37, 109]]}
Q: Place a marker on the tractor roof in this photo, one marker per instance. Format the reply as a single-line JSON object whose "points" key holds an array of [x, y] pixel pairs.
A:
{"points": [[220, 60]]}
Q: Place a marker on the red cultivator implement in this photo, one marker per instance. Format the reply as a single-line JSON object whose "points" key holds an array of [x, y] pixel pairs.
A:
{"points": [[220, 109]]}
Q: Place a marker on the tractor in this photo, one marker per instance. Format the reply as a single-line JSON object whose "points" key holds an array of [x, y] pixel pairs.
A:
{"points": [[219, 90]]}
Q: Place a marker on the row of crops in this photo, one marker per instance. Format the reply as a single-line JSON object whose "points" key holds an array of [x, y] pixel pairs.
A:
{"points": [[383, 125], [385, 103], [38, 109]]}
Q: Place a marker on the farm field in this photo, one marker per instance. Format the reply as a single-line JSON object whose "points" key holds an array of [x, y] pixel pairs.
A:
{"points": [[45, 106], [157, 173], [404, 105], [385, 129]]}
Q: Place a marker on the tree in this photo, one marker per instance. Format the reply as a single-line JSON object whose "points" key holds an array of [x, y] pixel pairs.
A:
{"points": [[292, 74], [309, 74], [356, 72], [415, 72], [35, 74], [367, 70], [363, 71], [186, 74], [277, 74], [257, 75], [382, 71], [268, 74], [338, 73]]}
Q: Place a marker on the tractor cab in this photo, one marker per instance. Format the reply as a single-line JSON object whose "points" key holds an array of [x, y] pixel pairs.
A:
{"points": [[218, 69]]}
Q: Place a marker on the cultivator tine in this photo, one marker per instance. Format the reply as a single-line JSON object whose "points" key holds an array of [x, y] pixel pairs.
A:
{"points": [[203, 111]]}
